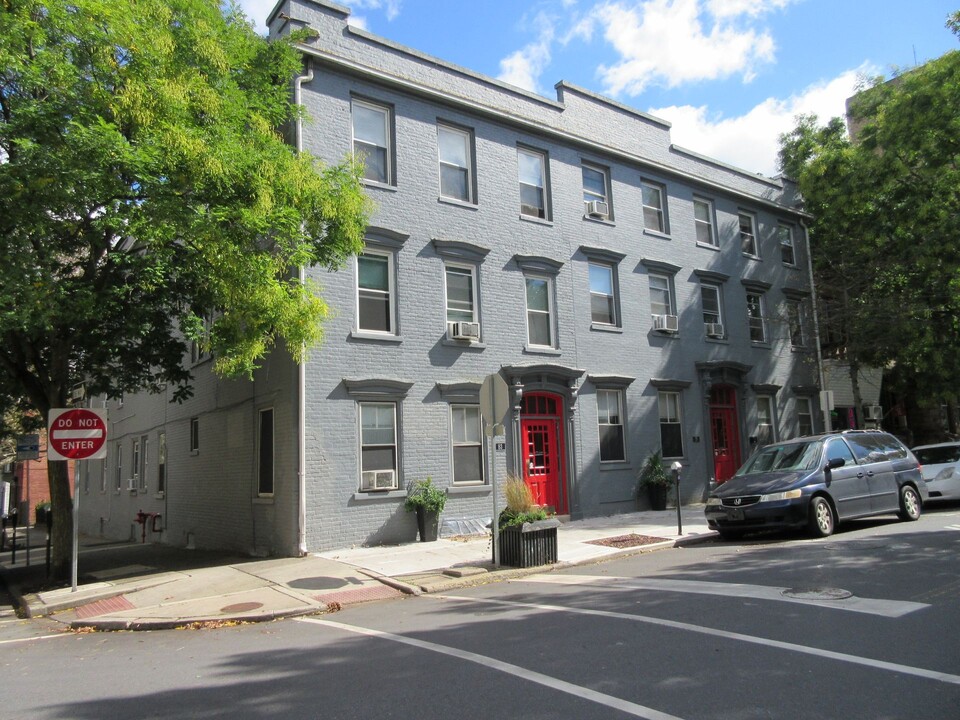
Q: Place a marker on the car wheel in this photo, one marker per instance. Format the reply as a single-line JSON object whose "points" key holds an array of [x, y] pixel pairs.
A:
{"points": [[821, 520], [909, 503], [730, 534]]}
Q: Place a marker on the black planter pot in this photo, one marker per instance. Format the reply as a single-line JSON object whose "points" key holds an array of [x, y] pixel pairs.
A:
{"points": [[657, 495], [530, 544], [427, 525]]}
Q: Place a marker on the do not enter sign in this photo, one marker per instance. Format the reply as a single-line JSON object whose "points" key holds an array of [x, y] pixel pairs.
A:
{"points": [[77, 434]]}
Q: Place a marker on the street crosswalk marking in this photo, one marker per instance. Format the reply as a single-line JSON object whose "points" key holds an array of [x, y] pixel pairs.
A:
{"points": [[739, 637], [953, 527], [872, 606], [522, 673]]}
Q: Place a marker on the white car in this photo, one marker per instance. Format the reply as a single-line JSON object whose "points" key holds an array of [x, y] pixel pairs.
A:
{"points": [[941, 469]]}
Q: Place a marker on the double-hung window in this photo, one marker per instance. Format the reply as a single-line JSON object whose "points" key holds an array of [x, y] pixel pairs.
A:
{"points": [[119, 477], [194, 435], [456, 163], [533, 182], [804, 416], [654, 207], [748, 235], [671, 424], [375, 296], [610, 425], [461, 292], [603, 300], [712, 314], [378, 446], [596, 198], [467, 444], [766, 432], [703, 221], [785, 236], [758, 326], [371, 139], [795, 323], [539, 293], [661, 302], [265, 453], [161, 463]]}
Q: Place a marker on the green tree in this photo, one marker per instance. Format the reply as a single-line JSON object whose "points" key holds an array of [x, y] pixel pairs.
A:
{"points": [[886, 235], [145, 182]]}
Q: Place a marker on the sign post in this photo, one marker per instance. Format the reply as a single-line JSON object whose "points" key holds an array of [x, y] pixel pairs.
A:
{"points": [[76, 434], [494, 406]]}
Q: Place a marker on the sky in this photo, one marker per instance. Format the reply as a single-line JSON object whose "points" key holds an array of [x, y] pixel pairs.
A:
{"points": [[729, 75]]}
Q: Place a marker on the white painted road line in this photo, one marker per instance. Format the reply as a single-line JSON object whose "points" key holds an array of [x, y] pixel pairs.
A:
{"points": [[687, 627], [872, 606], [36, 637], [521, 673]]}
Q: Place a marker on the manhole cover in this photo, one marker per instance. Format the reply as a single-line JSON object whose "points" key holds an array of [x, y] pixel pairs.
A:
{"points": [[241, 607], [817, 593]]}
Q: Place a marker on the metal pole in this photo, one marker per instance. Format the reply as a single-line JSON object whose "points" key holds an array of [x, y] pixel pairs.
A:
{"points": [[76, 524], [495, 525], [676, 479]]}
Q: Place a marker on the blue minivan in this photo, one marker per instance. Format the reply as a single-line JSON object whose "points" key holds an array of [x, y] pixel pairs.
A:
{"points": [[817, 482]]}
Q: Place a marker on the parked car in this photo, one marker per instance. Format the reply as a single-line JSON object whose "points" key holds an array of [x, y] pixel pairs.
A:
{"points": [[941, 469], [817, 482]]}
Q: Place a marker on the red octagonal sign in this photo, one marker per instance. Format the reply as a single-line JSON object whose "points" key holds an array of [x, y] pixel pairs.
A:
{"points": [[77, 434]]}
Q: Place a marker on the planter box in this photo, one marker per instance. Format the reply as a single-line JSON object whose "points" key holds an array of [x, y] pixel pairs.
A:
{"points": [[530, 544], [427, 525]]}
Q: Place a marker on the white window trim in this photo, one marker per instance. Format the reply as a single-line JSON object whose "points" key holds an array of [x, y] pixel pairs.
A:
{"points": [[273, 450], [541, 155], [751, 318], [387, 112], [661, 210], [551, 311], [614, 297], [605, 198], [768, 399], [194, 446], [753, 234], [474, 300], [661, 394], [719, 291], [788, 229], [621, 403], [396, 441], [671, 309], [468, 146], [801, 403], [391, 292], [710, 223], [795, 314], [454, 444]]}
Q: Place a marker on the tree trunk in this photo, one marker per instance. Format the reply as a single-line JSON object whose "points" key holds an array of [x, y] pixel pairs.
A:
{"points": [[61, 505]]}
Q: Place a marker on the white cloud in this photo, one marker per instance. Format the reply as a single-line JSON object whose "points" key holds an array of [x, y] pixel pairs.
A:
{"points": [[390, 7], [750, 141], [524, 67], [257, 10], [667, 41]]}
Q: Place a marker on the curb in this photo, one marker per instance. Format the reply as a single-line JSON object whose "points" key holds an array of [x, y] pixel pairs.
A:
{"points": [[175, 623]]}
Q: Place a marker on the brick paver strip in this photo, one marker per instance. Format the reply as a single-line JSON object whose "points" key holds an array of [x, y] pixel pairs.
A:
{"points": [[102, 607], [361, 594]]}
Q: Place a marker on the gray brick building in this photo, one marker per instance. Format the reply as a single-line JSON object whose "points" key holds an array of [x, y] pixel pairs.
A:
{"points": [[634, 295]]}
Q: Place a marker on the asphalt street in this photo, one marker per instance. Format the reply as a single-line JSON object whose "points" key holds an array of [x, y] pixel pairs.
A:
{"points": [[865, 624]]}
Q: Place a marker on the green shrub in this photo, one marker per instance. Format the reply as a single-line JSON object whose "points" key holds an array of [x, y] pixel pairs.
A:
{"points": [[423, 493]]}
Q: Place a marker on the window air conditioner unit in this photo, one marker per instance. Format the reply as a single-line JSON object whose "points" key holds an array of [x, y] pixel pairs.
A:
{"points": [[465, 330], [873, 413], [78, 393], [378, 480], [714, 330], [597, 208], [666, 323], [132, 484]]}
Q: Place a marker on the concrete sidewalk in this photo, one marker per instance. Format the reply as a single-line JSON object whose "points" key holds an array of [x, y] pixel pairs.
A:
{"points": [[143, 586]]}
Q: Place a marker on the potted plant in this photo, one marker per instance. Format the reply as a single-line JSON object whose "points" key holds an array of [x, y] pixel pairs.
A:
{"points": [[527, 535], [655, 481], [428, 501]]}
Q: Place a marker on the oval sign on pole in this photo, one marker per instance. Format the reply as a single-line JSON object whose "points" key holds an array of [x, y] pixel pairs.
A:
{"points": [[494, 402], [76, 434]]}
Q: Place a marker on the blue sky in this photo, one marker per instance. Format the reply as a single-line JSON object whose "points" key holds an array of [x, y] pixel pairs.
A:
{"points": [[730, 75]]}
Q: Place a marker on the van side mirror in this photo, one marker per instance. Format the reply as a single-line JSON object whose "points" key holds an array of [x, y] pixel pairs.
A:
{"points": [[835, 463]]}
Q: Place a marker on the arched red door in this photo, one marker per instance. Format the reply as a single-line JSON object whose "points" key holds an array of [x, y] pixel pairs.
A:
{"points": [[724, 432], [542, 449]]}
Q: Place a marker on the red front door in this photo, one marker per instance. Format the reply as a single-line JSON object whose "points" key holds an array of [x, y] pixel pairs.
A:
{"points": [[724, 434], [541, 438]]}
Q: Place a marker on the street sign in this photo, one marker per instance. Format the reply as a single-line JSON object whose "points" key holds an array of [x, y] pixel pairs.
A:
{"points": [[28, 447], [76, 434], [494, 403]]}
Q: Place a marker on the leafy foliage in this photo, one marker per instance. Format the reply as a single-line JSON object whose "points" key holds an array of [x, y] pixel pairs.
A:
{"points": [[424, 494], [885, 237], [520, 505], [146, 184], [654, 472]]}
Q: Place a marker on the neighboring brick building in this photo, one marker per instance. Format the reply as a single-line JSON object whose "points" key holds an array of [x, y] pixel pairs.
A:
{"points": [[633, 294]]}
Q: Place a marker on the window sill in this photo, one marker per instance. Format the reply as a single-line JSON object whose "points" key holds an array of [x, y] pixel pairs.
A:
{"points": [[194, 453], [657, 234], [379, 495], [376, 337], [159, 496], [600, 220], [463, 344], [478, 489], [708, 246], [536, 220], [722, 341], [600, 327], [263, 500], [379, 185], [763, 345], [465, 204], [748, 256], [541, 350], [614, 465]]}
